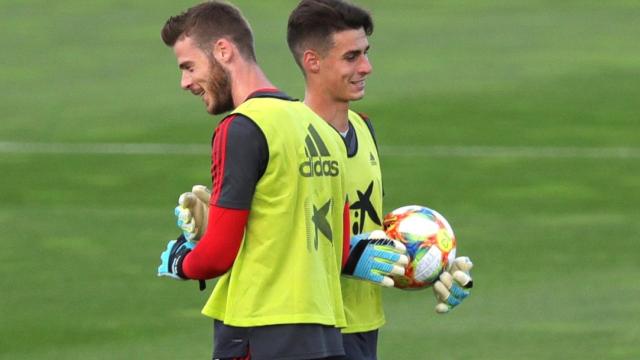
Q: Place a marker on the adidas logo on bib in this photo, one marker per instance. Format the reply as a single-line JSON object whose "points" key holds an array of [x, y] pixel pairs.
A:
{"points": [[316, 151], [372, 159]]}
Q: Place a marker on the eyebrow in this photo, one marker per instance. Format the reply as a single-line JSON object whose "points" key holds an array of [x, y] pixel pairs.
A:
{"points": [[185, 65], [357, 52]]}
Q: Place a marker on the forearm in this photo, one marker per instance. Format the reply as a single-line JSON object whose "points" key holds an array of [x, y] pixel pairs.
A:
{"points": [[217, 249]]}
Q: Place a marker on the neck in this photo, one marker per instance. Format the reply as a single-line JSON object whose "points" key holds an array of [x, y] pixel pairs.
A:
{"points": [[332, 111], [246, 79]]}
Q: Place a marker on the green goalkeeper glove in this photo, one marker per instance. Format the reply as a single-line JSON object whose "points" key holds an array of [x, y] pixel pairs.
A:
{"points": [[452, 287], [192, 212]]}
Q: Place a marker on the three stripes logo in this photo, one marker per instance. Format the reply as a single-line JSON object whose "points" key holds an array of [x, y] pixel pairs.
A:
{"points": [[316, 150]]}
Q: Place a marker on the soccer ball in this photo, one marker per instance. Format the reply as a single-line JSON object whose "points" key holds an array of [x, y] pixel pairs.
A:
{"points": [[430, 243]]}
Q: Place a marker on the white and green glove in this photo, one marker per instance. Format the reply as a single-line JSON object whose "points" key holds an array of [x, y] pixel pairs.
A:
{"points": [[192, 212], [452, 286]]}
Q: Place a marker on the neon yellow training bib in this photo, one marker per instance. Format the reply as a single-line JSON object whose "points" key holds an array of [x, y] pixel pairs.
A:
{"points": [[288, 268], [362, 299]]}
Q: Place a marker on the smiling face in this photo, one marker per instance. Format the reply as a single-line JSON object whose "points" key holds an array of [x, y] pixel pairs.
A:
{"points": [[203, 76], [345, 66]]}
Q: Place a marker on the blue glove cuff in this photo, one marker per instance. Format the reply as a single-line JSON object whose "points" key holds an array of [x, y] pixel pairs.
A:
{"points": [[173, 256]]}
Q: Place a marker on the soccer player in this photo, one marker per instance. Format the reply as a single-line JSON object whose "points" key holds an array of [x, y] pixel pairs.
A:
{"points": [[275, 224], [329, 41]]}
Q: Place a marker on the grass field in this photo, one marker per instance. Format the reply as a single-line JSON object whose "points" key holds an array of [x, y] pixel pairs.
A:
{"points": [[518, 121]]}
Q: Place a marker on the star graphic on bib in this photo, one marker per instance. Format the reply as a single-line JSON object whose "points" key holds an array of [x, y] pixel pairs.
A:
{"points": [[321, 223], [364, 205]]}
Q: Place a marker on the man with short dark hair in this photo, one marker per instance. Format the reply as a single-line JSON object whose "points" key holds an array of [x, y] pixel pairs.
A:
{"points": [[276, 225], [329, 41]]}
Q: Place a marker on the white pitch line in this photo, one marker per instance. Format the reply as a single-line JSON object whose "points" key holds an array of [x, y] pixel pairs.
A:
{"points": [[7, 147], [101, 149], [512, 152]]}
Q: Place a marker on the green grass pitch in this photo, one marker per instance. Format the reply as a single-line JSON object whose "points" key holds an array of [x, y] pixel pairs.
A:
{"points": [[516, 120]]}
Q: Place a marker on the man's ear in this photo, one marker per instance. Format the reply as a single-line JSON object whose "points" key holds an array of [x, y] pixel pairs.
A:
{"points": [[311, 61], [223, 51]]}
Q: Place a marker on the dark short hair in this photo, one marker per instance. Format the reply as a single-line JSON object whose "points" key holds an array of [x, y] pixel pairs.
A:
{"points": [[208, 22], [313, 22]]}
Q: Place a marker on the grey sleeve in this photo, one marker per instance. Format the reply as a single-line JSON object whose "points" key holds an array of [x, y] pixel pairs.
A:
{"points": [[239, 159]]}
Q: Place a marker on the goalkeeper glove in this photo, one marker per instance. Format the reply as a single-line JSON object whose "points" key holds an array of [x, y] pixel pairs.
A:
{"points": [[452, 286], [192, 212], [375, 257], [171, 259]]}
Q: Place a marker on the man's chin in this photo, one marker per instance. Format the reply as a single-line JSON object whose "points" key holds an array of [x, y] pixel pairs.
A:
{"points": [[217, 109], [210, 108], [357, 96]]}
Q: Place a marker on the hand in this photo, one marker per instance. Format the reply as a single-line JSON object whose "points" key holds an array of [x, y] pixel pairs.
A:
{"points": [[450, 288], [375, 257], [171, 259], [193, 212]]}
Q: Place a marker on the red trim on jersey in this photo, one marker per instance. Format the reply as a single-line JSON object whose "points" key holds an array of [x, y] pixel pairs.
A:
{"points": [[217, 249], [214, 162], [218, 156], [346, 233]]}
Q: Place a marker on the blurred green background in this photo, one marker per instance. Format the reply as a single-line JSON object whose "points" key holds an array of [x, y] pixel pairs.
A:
{"points": [[517, 120]]}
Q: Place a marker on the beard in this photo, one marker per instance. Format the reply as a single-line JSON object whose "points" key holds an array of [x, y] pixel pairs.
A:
{"points": [[219, 87]]}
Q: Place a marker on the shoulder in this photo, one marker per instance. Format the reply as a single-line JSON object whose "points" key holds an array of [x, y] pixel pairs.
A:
{"points": [[261, 100], [363, 116], [269, 112], [360, 117], [239, 134], [238, 125]]}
